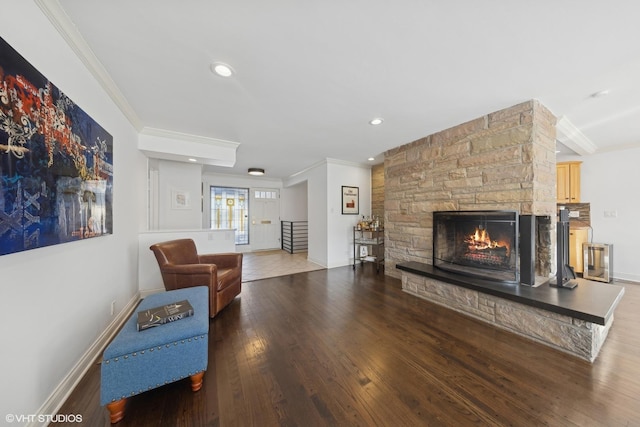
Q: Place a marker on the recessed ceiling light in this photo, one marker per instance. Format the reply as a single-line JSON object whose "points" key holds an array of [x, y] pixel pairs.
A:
{"points": [[371, 159], [192, 160], [222, 69], [256, 171], [600, 94], [376, 121]]}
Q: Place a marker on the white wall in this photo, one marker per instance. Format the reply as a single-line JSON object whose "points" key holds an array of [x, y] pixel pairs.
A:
{"points": [[340, 227], [56, 300], [293, 202], [180, 177], [330, 233], [611, 181], [316, 179]]}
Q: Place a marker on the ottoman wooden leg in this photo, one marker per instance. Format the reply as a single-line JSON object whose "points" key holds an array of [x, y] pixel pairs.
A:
{"points": [[116, 410], [196, 381]]}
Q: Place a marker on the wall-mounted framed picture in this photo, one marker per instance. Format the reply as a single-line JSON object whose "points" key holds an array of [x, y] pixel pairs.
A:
{"points": [[350, 200], [180, 199], [56, 162]]}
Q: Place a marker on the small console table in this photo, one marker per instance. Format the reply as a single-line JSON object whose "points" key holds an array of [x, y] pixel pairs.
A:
{"points": [[574, 321]]}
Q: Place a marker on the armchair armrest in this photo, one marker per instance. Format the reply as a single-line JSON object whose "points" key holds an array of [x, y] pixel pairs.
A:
{"points": [[222, 260], [190, 269]]}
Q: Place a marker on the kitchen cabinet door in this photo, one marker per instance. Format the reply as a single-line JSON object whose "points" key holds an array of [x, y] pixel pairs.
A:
{"points": [[568, 182], [577, 236]]}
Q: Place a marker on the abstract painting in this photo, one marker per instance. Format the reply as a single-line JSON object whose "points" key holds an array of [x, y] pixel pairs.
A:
{"points": [[56, 163]]}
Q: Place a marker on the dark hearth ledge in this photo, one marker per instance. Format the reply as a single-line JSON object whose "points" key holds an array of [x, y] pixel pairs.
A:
{"points": [[591, 301]]}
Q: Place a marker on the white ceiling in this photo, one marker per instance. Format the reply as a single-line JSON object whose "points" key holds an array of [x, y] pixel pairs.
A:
{"points": [[311, 74]]}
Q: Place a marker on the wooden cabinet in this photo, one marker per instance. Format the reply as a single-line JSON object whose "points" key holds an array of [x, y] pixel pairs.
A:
{"points": [[577, 236], [568, 182]]}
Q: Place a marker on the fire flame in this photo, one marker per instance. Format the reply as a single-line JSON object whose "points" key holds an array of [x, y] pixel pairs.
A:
{"points": [[480, 240]]}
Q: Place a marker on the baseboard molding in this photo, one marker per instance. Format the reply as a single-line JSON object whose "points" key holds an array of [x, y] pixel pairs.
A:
{"points": [[317, 261], [627, 277], [145, 293], [62, 392]]}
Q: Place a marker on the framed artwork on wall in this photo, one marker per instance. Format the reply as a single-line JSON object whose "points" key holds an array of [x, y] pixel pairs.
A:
{"points": [[350, 200], [180, 199], [56, 163]]}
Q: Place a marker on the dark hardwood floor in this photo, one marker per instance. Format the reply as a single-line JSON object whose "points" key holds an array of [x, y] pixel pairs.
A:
{"points": [[343, 348]]}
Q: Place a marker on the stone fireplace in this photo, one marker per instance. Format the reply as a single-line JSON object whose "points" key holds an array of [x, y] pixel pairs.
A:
{"points": [[502, 161], [481, 244]]}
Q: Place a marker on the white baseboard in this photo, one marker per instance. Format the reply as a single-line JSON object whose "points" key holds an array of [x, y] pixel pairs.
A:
{"points": [[627, 277], [62, 392], [316, 261], [145, 293]]}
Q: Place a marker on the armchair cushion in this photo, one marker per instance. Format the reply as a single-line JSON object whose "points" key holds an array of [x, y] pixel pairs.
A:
{"points": [[181, 267], [228, 276]]}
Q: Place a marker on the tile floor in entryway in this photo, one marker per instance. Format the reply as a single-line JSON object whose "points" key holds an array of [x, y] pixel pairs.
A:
{"points": [[264, 264]]}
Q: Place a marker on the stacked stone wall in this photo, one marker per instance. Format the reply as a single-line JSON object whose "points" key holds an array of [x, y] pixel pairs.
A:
{"points": [[503, 160], [574, 336], [377, 192]]}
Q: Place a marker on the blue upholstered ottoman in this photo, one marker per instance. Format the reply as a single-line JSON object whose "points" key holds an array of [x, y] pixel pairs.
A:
{"points": [[137, 361]]}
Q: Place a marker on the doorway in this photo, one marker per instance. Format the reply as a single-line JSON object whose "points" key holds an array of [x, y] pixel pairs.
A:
{"points": [[265, 219], [230, 209]]}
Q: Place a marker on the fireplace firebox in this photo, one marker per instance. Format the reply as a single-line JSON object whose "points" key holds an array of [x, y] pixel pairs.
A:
{"points": [[482, 244]]}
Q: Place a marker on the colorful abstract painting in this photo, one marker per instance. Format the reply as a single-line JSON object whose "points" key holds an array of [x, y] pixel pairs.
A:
{"points": [[56, 163]]}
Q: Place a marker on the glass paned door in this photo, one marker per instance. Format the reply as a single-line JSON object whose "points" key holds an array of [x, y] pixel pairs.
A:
{"points": [[230, 209]]}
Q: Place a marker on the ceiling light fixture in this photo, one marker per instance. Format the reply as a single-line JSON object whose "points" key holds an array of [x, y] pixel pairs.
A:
{"points": [[600, 93], [192, 160], [376, 121], [371, 159], [222, 69], [256, 171]]}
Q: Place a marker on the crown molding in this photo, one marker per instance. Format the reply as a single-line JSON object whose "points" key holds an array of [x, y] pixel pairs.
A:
{"points": [[161, 144], [63, 24], [573, 138], [162, 133], [242, 177], [328, 161], [331, 161], [620, 147]]}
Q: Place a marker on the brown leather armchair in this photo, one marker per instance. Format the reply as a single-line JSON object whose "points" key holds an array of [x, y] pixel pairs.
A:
{"points": [[182, 267]]}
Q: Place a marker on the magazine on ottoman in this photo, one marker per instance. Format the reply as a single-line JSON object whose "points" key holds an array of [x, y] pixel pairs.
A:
{"points": [[164, 314]]}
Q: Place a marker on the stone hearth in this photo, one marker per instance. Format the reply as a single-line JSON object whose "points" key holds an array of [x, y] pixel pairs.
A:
{"points": [[573, 321]]}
